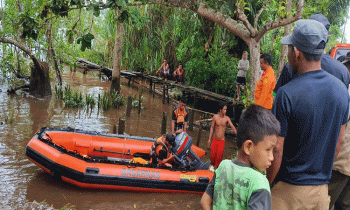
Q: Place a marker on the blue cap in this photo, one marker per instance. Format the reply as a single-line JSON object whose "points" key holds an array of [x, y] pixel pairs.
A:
{"points": [[309, 36], [322, 19]]}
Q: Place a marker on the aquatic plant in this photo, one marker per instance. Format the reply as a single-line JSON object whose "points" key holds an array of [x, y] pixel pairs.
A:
{"points": [[108, 100], [59, 92], [90, 101]]}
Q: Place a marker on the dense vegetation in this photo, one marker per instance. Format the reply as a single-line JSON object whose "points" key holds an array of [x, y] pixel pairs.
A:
{"points": [[65, 30]]}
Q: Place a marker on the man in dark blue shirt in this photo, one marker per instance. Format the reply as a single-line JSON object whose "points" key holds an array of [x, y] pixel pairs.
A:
{"points": [[328, 64], [313, 112]]}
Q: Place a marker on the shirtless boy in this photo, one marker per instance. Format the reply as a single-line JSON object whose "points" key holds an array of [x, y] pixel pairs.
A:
{"points": [[179, 74], [219, 123]]}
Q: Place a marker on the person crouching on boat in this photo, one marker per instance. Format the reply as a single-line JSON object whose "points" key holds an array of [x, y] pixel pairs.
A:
{"points": [[160, 151]]}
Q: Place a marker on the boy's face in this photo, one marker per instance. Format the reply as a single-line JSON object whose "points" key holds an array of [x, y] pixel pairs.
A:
{"points": [[182, 106], [223, 110], [261, 155]]}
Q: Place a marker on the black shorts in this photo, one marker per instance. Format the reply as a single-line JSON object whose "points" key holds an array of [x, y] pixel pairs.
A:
{"points": [[241, 81]]}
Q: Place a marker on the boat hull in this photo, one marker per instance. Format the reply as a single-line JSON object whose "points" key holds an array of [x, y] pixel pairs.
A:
{"points": [[119, 174]]}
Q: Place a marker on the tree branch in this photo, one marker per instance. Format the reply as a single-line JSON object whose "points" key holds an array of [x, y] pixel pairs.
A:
{"points": [[256, 18], [224, 20], [271, 25], [24, 48], [241, 16]]}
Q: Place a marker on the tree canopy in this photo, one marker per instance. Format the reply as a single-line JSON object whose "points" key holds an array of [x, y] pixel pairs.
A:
{"points": [[207, 37]]}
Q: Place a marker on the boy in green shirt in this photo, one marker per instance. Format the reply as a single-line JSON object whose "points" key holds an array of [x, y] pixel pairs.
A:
{"points": [[240, 183]]}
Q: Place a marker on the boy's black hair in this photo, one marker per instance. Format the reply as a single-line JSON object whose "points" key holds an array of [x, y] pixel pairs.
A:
{"points": [[170, 138], [255, 123], [267, 58], [221, 105], [183, 100]]}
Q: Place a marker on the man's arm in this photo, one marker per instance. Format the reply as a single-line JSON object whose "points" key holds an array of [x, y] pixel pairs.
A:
{"points": [[158, 71], [185, 127], [206, 202], [272, 171], [340, 140], [232, 126], [264, 91], [211, 131], [173, 127]]}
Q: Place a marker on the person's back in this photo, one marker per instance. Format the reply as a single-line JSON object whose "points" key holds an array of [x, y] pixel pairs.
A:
{"points": [[328, 64], [310, 138], [335, 68]]}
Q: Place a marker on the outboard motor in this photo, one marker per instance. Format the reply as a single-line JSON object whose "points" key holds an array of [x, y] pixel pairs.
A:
{"points": [[184, 155]]}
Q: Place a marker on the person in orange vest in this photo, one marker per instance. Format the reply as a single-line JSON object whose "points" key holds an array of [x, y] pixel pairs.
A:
{"points": [[179, 118], [266, 84], [160, 151]]}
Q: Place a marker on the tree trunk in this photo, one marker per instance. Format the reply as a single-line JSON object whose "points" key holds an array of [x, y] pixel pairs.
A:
{"points": [[284, 51], [58, 72], [254, 47], [117, 58], [4, 51], [39, 79], [273, 39], [18, 62]]}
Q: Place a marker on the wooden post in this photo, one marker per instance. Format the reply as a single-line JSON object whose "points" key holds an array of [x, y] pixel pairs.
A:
{"points": [[163, 94], [115, 129], [199, 133], [140, 103], [121, 127], [190, 125], [167, 93], [150, 84], [163, 128], [195, 99], [128, 106], [154, 88]]}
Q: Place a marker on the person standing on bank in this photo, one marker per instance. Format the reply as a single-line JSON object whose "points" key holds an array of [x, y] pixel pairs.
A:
{"points": [[179, 118], [266, 84], [313, 111], [219, 123], [243, 67]]}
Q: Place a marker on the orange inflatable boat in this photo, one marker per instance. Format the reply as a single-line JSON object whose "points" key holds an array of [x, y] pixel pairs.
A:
{"points": [[107, 161]]}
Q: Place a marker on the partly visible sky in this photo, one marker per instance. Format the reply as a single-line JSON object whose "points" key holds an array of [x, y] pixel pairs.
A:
{"points": [[347, 29]]}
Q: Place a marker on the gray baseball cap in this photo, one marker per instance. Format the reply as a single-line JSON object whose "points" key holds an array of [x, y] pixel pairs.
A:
{"points": [[309, 36], [321, 18]]}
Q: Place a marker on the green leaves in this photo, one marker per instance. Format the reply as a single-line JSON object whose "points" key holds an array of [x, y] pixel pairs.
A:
{"points": [[96, 10], [70, 35], [124, 16], [85, 41], [60, 7], [29, 27]]}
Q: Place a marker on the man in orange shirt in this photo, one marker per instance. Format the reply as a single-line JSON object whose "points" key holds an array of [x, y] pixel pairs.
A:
{"points": [[266, 84]]}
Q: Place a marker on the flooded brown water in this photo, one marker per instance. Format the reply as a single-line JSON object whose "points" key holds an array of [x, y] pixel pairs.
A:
{"points": [[24, 185]]}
